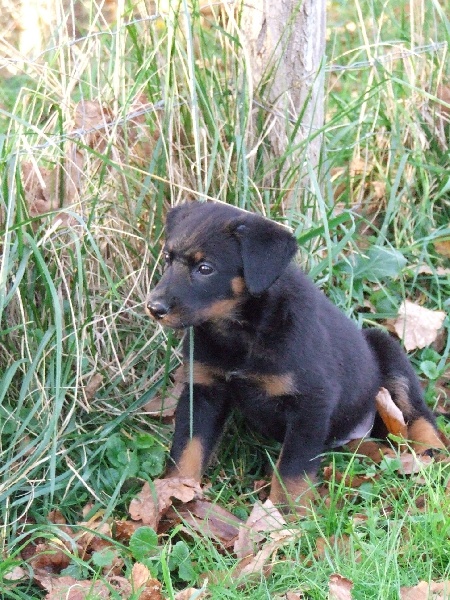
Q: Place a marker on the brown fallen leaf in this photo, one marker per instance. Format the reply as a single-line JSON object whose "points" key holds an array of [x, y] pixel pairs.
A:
{"points": [[443, 93], [152, 502], [259, 563], [373, 450], [48, 559], [410, 464], [339, 588], [390, 414], [349, 480], [426, 591], [68, 588], [209, 520], [123, 530], [141, 579], [164, 405], [189, 593], [91, 388], [265, 520], [15, 574], [417, 326], [442, 246]]}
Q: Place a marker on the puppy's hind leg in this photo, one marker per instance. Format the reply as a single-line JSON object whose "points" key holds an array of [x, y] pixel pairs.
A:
{"points": [[399, 378]]}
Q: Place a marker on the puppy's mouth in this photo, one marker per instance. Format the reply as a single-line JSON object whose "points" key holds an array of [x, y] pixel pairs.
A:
{"points": [[166, 317], [223, 310]]}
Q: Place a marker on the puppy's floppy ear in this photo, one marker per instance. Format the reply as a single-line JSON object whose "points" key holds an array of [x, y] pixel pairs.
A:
{"points": [[266, 247]]}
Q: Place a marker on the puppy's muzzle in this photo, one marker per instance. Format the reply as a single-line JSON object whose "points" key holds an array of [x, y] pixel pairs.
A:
{"points": [[157, 308]]}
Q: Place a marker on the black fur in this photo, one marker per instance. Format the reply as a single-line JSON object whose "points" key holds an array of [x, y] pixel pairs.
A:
{"points": [[268, 342]]}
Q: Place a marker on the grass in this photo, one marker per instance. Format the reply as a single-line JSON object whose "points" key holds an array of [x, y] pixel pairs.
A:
{"points": [[79, 357]]}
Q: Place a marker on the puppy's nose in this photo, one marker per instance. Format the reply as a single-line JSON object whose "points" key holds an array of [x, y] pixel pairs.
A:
{"points": [[157, 309]]}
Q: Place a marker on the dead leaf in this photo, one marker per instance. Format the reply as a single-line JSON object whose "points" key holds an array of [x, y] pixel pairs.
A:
{"points": [[209, 520], [390, 414], [152, 502], [189, 593], [139, 575], [264, 520], [426, 591], [15, 574], [373, 450], [339, 588], [426, 270], [412, 463], [123, 530], [93, 386], [417, 326], [164, 405], [349, 480], [141, 578], [442, 247], [68, 588], [443, 93], [48, 559], [259, 563]]}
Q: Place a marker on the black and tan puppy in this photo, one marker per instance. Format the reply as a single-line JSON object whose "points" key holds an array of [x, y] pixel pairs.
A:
{"points": [[269, 343]]}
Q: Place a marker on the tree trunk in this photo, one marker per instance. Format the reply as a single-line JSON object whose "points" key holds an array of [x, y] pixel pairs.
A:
{"points": [[285, 43]]}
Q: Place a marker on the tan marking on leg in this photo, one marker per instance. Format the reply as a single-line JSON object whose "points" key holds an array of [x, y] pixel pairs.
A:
{"points": [[275, 385], [292, 494], [422, 435], [238, 285], [190, 462]]}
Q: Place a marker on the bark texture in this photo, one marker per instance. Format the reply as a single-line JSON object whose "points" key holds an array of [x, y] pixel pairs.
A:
{"points": [[285, 42]]}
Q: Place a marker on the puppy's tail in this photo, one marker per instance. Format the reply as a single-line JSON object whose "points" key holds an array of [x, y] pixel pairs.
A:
{"points": [[399, 378]]}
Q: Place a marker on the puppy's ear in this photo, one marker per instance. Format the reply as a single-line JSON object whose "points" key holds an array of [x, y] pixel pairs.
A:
{"points": [[266, 247], [177, 214]]}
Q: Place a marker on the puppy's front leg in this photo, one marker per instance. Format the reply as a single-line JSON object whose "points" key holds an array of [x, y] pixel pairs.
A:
{"points": [[298, 463], [190, 455]]}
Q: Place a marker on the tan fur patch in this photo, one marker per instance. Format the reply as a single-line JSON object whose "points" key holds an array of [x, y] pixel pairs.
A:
{"points": [[399, 388], [293, 493], [190, 463], [238, 285], [220, 309], [198, 256], [275, 385], [423, 435], [203, 374]]}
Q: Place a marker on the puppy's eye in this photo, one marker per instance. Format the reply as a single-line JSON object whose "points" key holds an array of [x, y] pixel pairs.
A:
{"points": [[166, 256], [205, 269]]}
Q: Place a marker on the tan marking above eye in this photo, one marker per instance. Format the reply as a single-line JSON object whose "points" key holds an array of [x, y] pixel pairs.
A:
{"points": [[198, 256]]}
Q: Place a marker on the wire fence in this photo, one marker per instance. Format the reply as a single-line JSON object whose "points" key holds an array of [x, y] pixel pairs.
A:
{"points": [[55, 140]]}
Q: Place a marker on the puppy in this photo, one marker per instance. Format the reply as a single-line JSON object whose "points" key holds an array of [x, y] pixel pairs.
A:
{"points": [[270, 344]]}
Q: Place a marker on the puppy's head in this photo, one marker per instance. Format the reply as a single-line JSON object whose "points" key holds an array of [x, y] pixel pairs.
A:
{"points": [[217, 256]]}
